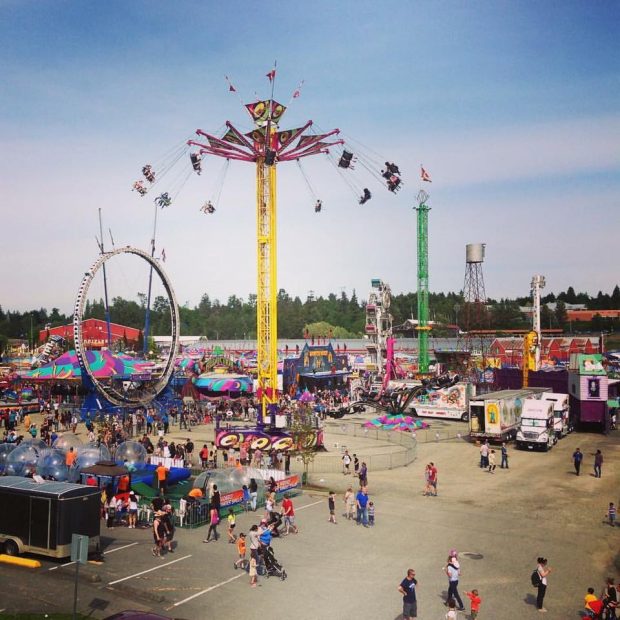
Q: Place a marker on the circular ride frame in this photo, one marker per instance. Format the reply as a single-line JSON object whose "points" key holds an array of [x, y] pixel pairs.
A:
{"points": [[115, 396]]}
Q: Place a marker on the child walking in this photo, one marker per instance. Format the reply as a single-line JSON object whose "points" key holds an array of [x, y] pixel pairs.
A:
{"points": [[371, 513], [253, 571], [241, 550], [611, 514], [492, 462], [231, 526], [475, 603], [331, 503], [349, 504], [452, 613]]}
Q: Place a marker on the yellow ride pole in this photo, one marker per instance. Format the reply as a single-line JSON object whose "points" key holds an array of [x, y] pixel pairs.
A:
{"points": [[267, 300]]}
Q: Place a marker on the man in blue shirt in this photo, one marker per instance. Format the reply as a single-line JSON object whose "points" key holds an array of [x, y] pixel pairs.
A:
{"points": [[407, 589], [361, 500]]}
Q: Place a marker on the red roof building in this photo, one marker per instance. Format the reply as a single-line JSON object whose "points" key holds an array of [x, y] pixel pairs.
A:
{"points": [[94, 333], [588, 315], [509, 351]]}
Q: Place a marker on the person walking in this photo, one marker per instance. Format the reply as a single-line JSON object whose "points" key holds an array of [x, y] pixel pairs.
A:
{"points": [[288, 511], [214, 519], [611, 514], [453, 571], [427, 480], [253, 493], [475, 603], [363, 475], [543, 571], [331, 504], [346, 463], [349, 504], [241, 550], [432, 479], [598, 463], [407, 589], [577, 458], [610, 599], [504, 463], [492, 465], [484, 455]]}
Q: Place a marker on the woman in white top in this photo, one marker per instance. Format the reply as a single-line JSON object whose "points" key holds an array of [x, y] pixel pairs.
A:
{"points": [[543, 571], [133, 510]]}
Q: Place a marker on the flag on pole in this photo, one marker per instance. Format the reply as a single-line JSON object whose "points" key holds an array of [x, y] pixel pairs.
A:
{"points": [[297, 91], [272, 75], [163, 255], [231, 88], [425, 176]]}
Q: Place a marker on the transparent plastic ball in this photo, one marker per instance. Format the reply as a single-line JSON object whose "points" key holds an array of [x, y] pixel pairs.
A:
{"points": [[5, 450], [52, 465], [102, 451], [22, 461], [66, 441], [87, 457], [37, 444], [227, 480], [132, 452]]}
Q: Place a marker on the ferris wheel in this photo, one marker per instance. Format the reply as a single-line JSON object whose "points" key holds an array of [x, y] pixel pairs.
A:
{"points": [[120, 389], [378, 323]]}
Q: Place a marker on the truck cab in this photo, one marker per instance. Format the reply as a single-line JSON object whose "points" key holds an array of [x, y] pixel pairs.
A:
{"points": [[562, 423], [537, 428]]}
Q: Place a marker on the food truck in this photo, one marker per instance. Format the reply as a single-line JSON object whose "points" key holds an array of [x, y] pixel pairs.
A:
{"points": [[41, 517]]}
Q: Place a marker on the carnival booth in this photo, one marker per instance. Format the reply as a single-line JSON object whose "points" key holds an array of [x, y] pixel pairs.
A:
{"points": [[317, 367]]}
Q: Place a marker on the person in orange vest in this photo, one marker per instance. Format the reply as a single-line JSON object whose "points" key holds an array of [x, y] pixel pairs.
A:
{"points": [[162, 474]]}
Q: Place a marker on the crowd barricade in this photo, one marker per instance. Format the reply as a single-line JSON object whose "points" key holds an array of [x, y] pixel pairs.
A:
{"points": [[166, 461], [393, 449]]}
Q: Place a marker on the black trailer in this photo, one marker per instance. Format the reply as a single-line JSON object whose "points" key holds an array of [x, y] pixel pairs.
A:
{"points": [[40, 517]]}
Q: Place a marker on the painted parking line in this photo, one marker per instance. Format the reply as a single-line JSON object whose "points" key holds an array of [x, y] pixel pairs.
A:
{"points": [[149, 570], [308, 505], [217, 585], [104, 553]]}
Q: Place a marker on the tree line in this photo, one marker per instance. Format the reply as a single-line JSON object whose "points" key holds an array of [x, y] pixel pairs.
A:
{"points": [[338, 316]]}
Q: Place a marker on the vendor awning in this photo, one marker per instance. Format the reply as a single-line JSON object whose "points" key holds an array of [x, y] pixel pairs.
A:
{"points": [[216, 382]]}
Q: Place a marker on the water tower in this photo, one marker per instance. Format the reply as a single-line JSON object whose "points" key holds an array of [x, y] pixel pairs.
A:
{"points": [[474, 311]]}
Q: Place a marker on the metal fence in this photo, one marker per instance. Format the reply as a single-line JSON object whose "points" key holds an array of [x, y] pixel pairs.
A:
{"points": [[401, 451]]}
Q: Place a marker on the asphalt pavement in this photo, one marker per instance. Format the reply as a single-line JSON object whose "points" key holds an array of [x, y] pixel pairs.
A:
{"points": [[500, 523]]}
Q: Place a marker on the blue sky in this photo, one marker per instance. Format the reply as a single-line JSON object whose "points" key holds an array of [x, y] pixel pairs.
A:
{"points": [[513, 107]]}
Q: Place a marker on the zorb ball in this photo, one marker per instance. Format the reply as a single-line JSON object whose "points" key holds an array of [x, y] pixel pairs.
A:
{"points": [[52, 465], [5, 450], [87, 457], [37, 444], [101, 452], [132, 452], [66, 441], [22, 461]]}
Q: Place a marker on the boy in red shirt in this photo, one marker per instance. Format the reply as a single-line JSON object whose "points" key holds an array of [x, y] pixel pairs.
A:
{"points": [[475, 603]]}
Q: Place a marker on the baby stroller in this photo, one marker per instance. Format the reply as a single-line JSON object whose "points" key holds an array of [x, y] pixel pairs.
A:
{"points": [[273, 568]]}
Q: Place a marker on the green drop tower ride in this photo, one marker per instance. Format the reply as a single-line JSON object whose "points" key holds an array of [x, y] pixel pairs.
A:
{"points": [[422, 327]]}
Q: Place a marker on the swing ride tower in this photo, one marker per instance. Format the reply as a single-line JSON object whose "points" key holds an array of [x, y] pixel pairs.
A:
{"points": [[266, 146]]}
